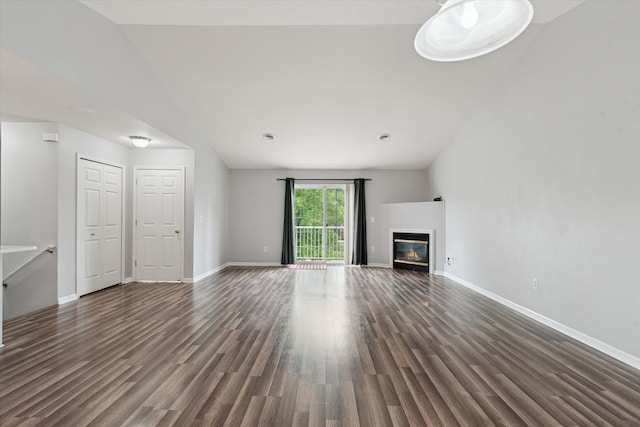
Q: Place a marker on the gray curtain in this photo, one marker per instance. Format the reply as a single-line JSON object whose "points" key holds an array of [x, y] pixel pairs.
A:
{"points": [[360, 225], [289, 231]]}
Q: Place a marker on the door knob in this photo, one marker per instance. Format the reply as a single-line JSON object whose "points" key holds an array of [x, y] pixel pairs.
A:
{"points": [[177, 231]]}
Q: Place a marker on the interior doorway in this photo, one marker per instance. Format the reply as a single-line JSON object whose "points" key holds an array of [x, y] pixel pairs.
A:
{"points": [[321, 223], [158, 224]]}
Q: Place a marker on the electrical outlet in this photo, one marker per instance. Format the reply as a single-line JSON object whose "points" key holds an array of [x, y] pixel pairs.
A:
{"points": [[373, 249], [266, 249], [535, 284], [373, 219], [450, 259]]}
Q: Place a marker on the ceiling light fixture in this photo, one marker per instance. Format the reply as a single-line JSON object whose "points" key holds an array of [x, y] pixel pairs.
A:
{"points": [[140, 141], [268, 136], [465, 29]]}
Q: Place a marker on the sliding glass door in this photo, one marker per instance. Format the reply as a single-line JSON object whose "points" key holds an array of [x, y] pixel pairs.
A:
{"points": [[320, 223]]}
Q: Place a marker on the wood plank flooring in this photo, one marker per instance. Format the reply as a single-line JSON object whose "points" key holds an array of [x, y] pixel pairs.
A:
{"points": [[285, 347]]}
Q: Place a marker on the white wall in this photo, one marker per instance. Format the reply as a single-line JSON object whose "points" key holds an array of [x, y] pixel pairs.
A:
{"points": [[544, 180], [211, 213], [42, 211], [414, 216], [207, 204], [83, 55], [206, 198], [73, 141], [29, 214], [257, 203]]}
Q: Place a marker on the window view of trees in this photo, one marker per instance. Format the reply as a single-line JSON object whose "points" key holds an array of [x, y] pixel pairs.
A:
{"points": [[310, 216]]}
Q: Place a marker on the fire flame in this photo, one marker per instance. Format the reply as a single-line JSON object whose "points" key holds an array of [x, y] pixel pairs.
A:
{"points": [[413, 255]]}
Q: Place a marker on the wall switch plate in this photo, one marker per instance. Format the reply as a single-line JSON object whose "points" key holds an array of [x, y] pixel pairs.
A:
{"points": [[373, 249], [373, 219]]}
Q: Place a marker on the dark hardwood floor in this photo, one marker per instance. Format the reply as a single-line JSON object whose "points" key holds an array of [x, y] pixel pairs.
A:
{"points": [[279, 347]]}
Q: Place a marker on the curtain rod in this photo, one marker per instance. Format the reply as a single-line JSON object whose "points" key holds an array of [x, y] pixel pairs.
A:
{"points": [[324, 179]]}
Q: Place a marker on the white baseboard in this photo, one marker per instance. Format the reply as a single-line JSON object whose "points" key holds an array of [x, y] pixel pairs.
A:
{"points": [[159, 281], [205, 275], [377, 265], [67, 299], [254, 264], [127, 280], [435, 273], [577, 335]]}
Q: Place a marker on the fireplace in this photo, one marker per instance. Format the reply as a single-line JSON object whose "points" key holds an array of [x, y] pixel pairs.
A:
{"points": [[411, 251]]}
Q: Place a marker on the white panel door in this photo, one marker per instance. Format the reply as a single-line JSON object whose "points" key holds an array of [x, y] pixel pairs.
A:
{"points": [[159, 224], [111, 225], [99, 226]]}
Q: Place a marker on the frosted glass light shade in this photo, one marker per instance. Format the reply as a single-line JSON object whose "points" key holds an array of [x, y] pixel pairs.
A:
{"points": [[465, 29], [140, 141]]}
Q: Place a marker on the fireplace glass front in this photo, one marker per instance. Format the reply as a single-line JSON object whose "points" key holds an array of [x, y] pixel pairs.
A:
{"points": [[411, 251]]}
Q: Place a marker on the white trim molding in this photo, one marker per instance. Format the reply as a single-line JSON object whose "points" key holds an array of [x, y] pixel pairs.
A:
{"points": [[67, 299], [134, 243], [380, 265], [160, 281], [205, 274], [123, 210], [375, 265], [253, 264], [570, 332]]}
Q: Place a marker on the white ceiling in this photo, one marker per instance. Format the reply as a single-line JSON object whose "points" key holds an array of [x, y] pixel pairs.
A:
{"points": [[29, 94], [289, 12], [325, 77]]}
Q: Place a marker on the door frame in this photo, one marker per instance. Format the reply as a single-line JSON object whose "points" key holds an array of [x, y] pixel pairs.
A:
{"points": [[134, 235], [122, 212], [346, 209]]}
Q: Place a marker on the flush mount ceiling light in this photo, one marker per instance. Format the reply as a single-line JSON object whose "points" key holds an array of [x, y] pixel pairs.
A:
{"points": [[465, 29], [140, 141]]}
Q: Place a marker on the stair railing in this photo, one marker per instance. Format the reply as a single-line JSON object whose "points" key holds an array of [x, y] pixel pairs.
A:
{"points": [[49, 249]]}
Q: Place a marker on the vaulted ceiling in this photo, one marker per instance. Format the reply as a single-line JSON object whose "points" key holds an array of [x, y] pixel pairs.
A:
{"points": [[326, 78]]}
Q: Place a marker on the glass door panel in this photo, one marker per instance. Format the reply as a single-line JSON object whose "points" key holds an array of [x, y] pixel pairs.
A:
{"points": [[334, 224], [319, 223]]}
